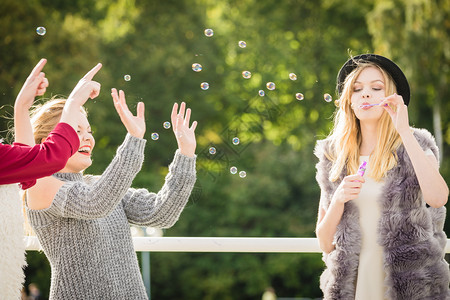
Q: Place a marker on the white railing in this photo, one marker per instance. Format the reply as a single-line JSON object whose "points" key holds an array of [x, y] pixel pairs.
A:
{"points": [[219, 244]]}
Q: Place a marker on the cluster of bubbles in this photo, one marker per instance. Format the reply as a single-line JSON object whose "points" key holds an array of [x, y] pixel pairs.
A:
{"points": [[41, 30], [127, 77], [234, 170]]}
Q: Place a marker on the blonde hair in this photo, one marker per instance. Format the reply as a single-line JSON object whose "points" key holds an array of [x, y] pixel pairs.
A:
{"points": [[346, 134], [44, 118]]}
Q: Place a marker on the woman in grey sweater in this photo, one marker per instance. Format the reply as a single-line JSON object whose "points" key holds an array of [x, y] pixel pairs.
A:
{"points": [[82, 221]]}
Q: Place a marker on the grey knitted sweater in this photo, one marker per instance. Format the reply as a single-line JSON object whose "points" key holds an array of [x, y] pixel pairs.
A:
{"points": [[85, 233]]}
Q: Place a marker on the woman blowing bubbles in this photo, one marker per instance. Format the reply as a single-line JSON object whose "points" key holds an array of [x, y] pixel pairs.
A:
{"points": [[82, 222], [381, 234]]}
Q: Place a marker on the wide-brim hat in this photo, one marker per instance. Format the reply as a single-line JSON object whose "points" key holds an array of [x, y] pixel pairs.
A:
{"points": [[388, 65]]}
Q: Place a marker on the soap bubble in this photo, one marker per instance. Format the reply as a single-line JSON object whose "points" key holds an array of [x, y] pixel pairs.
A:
{"points": [[204, 86], [233, 170], [212, 150], [246, 74], [209, 32], [242, 44], [155, 136], [236, 141], [292, 76], [197, 67], [261, 93], [41, 30], [270, 86], [299, 96], [327, 97], [127, 77], [166, 125], [242, 174]]}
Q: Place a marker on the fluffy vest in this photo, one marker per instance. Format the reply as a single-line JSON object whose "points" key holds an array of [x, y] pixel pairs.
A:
{"points": [[410, 233], [12, 246]]}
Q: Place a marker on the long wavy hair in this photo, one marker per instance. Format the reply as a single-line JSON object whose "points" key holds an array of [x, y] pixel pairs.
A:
{"points": [[346, 134]]}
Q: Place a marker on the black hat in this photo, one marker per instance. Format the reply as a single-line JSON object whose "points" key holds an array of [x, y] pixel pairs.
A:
{"points": [[388, 65]]}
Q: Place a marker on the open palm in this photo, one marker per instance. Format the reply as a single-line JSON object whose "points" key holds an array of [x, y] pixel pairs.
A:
{"points": [[184, 134], [135, 125]]}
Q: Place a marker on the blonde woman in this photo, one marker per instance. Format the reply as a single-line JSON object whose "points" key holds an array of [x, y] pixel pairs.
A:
{"points": [[381, 233], [83, 221]]}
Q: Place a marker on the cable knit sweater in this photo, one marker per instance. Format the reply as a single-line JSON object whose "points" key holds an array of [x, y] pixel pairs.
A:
{"points": [[85, 233]]}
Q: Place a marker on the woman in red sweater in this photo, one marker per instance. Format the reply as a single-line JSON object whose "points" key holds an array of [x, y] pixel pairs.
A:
{"points": [[26, 163]]}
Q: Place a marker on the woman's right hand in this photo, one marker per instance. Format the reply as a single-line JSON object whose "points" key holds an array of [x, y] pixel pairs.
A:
{"points": [[134, 124], [349, 189], [86, 88]]}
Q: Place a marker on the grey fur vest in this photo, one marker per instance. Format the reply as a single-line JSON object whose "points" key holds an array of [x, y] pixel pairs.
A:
{"points": [[410, 233]]}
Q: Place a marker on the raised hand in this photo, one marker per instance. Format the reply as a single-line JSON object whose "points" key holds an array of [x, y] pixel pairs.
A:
{"points": [[135, 125], [184, 134], [35, 85], [398, 111], [86, 87]]}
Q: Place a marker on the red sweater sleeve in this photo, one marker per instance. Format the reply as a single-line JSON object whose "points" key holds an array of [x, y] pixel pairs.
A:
{"points": [[25, 164]]}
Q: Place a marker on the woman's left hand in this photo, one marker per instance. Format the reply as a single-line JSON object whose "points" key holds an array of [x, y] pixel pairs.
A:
{"points": [[398, 111], [184, 134]]}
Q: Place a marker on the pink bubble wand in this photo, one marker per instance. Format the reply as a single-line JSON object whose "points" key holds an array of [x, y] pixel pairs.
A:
{"points": [[362, 168], [370, 105]]}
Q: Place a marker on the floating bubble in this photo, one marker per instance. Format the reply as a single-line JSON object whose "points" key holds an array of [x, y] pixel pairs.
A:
{"points": [[270, 86], [197, 67], [209, 32], [127, 77], [155, 136], [242, 44], [166, 125], [261, 93], [41, 30], [247, 74], [327, 97], [242, 174], [299, 96], [212, 150], [236, 141], [204, 86], [233, 170], [292, 76]]}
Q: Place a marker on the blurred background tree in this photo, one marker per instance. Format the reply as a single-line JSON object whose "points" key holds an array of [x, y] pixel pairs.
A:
{"points": [[156, 43]]}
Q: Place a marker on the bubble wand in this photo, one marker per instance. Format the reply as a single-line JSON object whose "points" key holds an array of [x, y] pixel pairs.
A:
{"points": [[370, 105], [362, 168]]}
